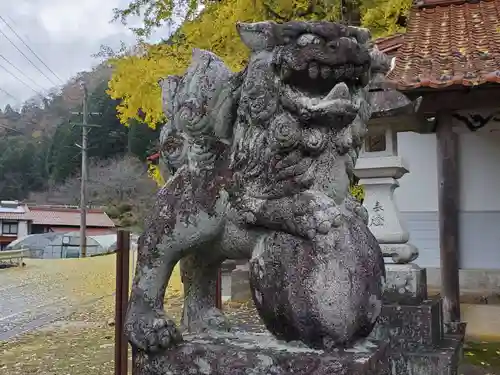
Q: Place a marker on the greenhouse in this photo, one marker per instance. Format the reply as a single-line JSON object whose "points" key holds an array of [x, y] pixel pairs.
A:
{"points": [[63, 245]]}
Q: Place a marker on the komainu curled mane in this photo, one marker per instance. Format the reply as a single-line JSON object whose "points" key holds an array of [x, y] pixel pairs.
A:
{"points": [[261, 162]]}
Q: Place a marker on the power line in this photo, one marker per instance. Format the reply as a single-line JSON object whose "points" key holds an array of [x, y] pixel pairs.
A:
{"points": [[27, 58], [19, 79], [34, 53], [20, 71], [15, 24], [30, 49], [9, 94]]}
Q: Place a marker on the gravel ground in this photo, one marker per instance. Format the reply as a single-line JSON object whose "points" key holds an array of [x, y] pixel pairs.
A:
{"points": [[44, 291], [56, 319]]}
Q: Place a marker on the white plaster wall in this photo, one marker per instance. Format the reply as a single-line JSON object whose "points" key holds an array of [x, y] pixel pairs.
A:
{"points": [[22, 229], [479, 197], [418, 189], [479, 172]]}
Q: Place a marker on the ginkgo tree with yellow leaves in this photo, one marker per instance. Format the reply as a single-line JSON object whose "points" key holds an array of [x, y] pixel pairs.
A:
{"points": [[136, 75]]}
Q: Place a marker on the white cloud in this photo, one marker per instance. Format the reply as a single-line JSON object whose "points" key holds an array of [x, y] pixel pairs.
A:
{"points": [[61, 21], [64, 33]]}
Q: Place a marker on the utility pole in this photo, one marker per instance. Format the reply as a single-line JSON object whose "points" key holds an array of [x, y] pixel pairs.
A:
{"points": [[83, 187]]}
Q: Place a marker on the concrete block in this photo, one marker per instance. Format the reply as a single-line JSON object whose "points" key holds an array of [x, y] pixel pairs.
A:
{"points": [[440, 360], [405, 284], [409, 327]]}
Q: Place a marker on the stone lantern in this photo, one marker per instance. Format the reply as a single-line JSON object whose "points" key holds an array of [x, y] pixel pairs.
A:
{"points": [[379, 168]]}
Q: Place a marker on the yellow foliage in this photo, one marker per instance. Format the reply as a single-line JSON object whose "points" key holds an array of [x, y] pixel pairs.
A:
{"points": [[357, 192], [155, 174], [135, 77], [381, 16]]}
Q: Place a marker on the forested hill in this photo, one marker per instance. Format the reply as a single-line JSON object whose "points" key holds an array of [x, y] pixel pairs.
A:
{"points": [[38, 142]]}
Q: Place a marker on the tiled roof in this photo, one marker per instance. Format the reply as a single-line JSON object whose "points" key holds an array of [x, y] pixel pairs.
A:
{"points": [[13, 216], [18, 213], [449, 43], [90, 230], [389, 44], [68, 217]]}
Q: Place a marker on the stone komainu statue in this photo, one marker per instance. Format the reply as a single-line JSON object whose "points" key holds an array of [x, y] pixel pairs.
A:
{"points": [[260, 165]]}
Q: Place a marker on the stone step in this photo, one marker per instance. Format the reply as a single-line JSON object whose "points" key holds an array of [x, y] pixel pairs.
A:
{"points": [[238, 353], [407, 326], [441, 360]]}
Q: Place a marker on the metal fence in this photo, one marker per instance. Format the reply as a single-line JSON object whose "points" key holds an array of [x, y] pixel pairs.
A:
{"points": [[12, 256]]}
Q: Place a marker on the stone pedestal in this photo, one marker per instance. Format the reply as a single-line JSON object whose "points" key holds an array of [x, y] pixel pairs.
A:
{"points": [[412, 324], [405, 283], [379, 177], [379, 168], [243, 353]]}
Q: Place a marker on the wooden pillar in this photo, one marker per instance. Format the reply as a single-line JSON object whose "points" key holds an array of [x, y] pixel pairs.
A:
{"points": [[448, 197], [121, 300]]}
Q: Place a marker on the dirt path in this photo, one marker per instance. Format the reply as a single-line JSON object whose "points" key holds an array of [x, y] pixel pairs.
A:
{"points": [[24, 306], [29, 300]]}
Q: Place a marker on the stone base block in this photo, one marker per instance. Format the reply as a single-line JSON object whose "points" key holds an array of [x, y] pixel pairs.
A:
{"points": [[405, 284], [400, 253], [410, 326], [244, 353], [442, 360]]}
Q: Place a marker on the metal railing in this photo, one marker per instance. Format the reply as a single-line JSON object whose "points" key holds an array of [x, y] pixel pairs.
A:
{"points": [[13, 256]]}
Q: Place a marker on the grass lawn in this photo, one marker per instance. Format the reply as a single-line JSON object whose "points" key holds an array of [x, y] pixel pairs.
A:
{"points": [[83, 343], [483, 354]]}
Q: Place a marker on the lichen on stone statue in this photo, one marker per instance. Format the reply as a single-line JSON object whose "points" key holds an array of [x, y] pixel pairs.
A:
{"points": [[260, 165]]}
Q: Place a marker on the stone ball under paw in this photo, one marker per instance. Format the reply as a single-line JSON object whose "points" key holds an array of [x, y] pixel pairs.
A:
{"points": [[325, 292]]}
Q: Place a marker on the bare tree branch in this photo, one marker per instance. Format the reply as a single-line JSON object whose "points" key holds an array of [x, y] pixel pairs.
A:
{"points": [[122, 185]]}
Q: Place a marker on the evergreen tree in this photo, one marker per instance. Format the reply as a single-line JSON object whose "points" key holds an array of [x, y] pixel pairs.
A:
{"points": [[142, 139]]}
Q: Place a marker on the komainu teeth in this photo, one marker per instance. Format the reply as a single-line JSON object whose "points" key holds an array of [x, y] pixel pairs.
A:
{"points": [[313, 70], [306, 39], [340, 91], [325, 71]]}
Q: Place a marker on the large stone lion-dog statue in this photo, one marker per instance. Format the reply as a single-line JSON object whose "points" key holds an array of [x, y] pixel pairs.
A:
{"points": [[261, 161]]}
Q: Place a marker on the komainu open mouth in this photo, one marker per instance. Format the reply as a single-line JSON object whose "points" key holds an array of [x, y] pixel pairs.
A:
{"points": [[318, 80], [321, 77]]}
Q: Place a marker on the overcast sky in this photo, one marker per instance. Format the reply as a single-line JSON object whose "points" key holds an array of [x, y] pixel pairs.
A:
{"points": [[63, 33]]}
